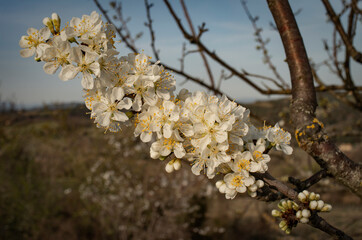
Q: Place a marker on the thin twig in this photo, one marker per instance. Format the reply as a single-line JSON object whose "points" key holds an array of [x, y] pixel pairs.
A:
{"points": [[262, 47], [357, 56], [201, 31], [149, 25], [302, 185]]}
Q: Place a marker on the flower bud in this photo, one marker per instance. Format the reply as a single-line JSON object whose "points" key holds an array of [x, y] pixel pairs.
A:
{"points": [[252, 194], [313, 205], [287, 231], [56, 22], [302, 197], [317, 197], [253, 188], [222, 188], [219, 183], [48, 23], [306, 213], [169, 167], [285, 204], [177, 164], [276, 213], [295, 206], [299, 214], [280, 205], [306, 193], [304, 220], [290, 204], [320, 204], [282, 224], [259, 183], [312, 196], [326, 208], [285, 228]]}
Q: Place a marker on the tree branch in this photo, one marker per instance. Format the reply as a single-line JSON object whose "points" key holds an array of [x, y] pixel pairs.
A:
{"points": [[315, 220], [149, 25], [208, 70], [308, 130], [357, 56], [302, 185]]}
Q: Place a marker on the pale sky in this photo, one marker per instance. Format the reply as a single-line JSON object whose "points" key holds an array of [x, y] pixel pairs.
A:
{"points": [[230, 35]]}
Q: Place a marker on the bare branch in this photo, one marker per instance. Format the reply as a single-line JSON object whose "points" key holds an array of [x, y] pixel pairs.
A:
{"points": [[302, 185], [262, 46], [357, 56], [201, 31], [149, 25], [213, 55]]}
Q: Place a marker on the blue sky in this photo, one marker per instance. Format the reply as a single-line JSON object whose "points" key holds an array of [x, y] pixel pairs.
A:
{"points": [[230, 35]]}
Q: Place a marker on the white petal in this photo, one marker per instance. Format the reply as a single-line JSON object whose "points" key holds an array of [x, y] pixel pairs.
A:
{"points": [[87, 80], [103, 119], [95, 68], [44, 34], [286, 149], [27, 52], [76, 55], [126, 103], [117, 94], [146, 136], [99, 108], [24, 42], [51, 67], [120, 116], [179, 150], [165, 151], [68, 72]]}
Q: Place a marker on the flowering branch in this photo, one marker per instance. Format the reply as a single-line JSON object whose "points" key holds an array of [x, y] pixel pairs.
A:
{"points": [[214, 134]]}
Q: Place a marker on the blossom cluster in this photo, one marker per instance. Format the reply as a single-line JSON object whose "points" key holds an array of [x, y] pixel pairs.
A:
{"points": [[213, 133]]}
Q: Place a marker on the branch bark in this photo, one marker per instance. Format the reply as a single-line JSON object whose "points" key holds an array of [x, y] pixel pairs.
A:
{"points": [[308, 130]]}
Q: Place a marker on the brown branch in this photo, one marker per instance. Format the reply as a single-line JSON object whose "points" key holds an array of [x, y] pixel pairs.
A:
{"points": [[347, 68], [315, 220], [357, 56], [302, 185], [188, 18], [334, 94], [308, 130], [213, 55], [262, 46], [149, 25]]}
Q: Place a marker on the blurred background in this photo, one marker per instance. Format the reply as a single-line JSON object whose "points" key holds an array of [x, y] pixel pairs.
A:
{"points": [[63, 178]]}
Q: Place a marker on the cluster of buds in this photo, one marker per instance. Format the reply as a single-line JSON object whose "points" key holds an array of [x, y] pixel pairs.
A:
{"points": [[287, 212], [292, 213], [312, 201], [252, 189]]}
